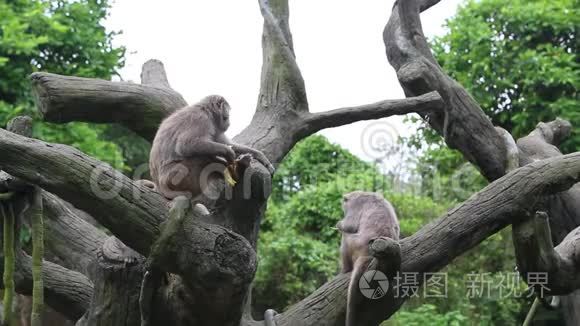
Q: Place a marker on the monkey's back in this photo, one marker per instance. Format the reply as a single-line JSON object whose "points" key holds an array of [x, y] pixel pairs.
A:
{"points": [[172, 174], [380, 220], [367, 216]]}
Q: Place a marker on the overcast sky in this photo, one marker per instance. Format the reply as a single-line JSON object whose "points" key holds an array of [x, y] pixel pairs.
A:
{"points": [[214, 47]]}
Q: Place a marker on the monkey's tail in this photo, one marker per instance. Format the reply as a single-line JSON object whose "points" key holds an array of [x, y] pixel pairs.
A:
{"points": [[354, 295]]}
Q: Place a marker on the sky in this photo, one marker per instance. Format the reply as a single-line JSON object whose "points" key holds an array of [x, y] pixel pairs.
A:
{"points": [[214, 47]]}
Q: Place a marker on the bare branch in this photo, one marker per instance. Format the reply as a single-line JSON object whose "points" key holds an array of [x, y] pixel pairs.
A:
{"points": [[463, 124], [282, 99], [130, 211], [334, 118], [141, 108], [153, 73], [68, 236], [282, 82], [536, 254], [66, 291]]}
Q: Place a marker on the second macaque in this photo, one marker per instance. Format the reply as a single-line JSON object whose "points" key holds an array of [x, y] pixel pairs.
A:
{"points": [[367, 216]]}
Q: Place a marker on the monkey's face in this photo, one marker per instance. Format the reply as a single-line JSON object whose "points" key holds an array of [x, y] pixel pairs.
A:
{"points": [[220, 110], [224, 117]]}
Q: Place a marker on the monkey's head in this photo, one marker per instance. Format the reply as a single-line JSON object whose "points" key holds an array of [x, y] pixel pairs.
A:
{"points": [[219, 109], [356, 200]]}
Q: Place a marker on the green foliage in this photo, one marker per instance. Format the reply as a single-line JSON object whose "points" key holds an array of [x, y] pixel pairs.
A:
{"points": [[64, 37], [313, 161], [427, 314]]}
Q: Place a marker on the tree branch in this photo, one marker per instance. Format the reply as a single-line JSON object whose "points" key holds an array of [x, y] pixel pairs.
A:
{"points": [[436, 245], [141, 108], [201, 253], [463, 124], [66, 291], [421, 104], [535, 253], [69, 237], [282, 99], [130, 211], [153, 73]]}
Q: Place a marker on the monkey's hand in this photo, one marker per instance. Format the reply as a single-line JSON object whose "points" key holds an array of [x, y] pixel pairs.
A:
{"points": [[241, 149], [230, 155]]}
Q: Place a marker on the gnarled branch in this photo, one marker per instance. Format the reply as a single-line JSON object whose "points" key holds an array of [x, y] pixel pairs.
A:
{"points": [[463, 124], [140, 108], [66, 291], [535, 253]]}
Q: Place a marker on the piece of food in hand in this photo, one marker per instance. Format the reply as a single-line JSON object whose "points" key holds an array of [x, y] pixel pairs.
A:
{"points": [[230, 174]]}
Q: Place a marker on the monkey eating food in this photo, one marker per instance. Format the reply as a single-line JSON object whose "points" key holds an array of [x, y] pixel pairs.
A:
{"points": [[367, 216], [190, 140]]}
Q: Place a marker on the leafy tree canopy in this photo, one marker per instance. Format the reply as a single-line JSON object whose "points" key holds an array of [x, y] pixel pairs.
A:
{"points": [[59, 36]]}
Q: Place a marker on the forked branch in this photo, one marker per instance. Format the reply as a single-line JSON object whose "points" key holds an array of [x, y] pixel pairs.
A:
{"points": [[463, 124]]}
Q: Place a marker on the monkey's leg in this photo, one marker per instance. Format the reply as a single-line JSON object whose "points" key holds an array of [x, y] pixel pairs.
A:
{"points": [[37, 253], [241, 149], [9, 262], [205, 148], [346, 258], [354, 294], [269, 317]]}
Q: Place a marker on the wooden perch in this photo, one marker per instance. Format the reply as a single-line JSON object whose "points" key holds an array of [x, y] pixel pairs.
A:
{"points": [[70, 237], [134, 213], [536, 254], [66, 291], [141, 108], [429, 102]]}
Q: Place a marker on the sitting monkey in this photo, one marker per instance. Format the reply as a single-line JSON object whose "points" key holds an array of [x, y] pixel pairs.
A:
{"points": [[367, 216], [188, 141]]}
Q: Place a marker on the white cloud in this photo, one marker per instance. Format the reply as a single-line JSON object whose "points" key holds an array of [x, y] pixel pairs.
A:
{"points": [[211, 47]]}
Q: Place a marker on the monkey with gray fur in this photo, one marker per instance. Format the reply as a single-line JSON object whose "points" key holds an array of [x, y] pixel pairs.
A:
{"points": [[188, 141], [367, 216]]}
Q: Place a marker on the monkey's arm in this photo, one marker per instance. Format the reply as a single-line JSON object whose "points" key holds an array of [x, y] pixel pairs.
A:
{"points": [[241, 149], [201, 147]]}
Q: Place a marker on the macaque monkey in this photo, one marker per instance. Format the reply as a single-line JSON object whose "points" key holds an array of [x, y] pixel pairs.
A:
{"points": [[188, 141], [367, 216]]}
